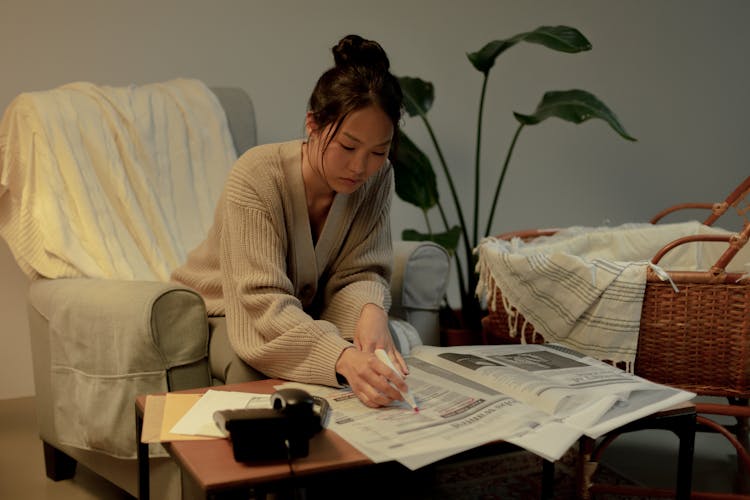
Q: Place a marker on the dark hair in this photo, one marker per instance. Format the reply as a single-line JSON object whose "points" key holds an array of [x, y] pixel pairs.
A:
{"points": [[360, 78]]}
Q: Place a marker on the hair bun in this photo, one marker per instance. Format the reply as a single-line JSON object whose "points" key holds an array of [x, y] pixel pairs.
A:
{"points": [[353, 50]]}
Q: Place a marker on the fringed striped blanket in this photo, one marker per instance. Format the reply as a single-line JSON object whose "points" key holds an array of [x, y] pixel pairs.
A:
{"points": [[584, 287]]}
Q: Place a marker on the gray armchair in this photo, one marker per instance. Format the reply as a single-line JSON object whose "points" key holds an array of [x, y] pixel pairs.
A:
{"points": [[137, 337]]}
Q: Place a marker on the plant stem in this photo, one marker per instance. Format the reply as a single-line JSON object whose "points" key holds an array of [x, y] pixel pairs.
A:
{"points": [[477, 155], [502, 178], [462, 285], [427, 221], [454, 194], [442, 215], [459, 269]]}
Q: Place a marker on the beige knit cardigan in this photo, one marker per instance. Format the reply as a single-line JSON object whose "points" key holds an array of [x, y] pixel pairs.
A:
{"points": [[292, 304]]}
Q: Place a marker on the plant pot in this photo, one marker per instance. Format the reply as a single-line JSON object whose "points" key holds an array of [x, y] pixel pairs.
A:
{"points": [[453, 332], [451, 337]]}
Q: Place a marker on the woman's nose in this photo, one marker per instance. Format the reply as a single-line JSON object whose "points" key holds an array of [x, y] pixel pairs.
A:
{"points": [[359, 164]]}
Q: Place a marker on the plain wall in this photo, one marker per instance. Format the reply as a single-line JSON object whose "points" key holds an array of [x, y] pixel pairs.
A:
{"points": [[674, 71]]}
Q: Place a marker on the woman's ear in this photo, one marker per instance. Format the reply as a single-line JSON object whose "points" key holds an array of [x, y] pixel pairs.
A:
{"points": [[310, 124]]}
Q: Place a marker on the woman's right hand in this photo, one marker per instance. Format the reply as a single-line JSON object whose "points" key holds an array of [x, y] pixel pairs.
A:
{"points": [[370, 378]]}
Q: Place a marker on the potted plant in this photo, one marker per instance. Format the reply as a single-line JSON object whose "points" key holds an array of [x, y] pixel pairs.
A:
{"points": [[415, 177]]}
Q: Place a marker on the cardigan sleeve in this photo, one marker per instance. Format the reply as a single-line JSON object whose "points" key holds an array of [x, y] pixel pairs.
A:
{"points": [[362, 273]]}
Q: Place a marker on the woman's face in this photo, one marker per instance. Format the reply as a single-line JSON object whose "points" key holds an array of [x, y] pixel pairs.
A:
{"points": [[357, 151]]}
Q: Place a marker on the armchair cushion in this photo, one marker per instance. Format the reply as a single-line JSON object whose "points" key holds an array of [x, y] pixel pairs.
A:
{"points": [[418, 283]]}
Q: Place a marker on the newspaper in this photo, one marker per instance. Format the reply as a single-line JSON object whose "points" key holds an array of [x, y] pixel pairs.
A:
{"points": [[540, 397], [580, 391], [455, 414]]}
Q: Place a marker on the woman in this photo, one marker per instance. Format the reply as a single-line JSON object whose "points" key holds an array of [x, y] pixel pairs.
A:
{"points": [[299, 256]]}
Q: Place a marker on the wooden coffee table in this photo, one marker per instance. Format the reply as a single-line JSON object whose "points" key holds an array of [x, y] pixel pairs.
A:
{"points": [[211, 467], [212, 472]]}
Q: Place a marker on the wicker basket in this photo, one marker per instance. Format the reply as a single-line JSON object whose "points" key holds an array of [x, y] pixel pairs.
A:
{"points": [[697, 339]]}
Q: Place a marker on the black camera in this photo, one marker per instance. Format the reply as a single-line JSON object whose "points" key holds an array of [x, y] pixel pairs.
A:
{"points": [[280, 432]]}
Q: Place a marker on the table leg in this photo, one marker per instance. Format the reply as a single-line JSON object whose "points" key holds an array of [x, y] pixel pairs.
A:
{"points": [[548, 480], [683, 425], [585, 468], [685, 431], [142, 454]]}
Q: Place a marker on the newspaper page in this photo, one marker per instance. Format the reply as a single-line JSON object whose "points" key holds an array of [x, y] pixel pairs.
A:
{"points": [[582, 392], [455, 414]]}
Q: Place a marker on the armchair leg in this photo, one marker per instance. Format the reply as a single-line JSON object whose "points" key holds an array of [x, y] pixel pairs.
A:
{"points": [[58, 465]]}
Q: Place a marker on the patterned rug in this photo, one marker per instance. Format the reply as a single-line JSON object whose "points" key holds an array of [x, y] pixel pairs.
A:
{"points": [[516, 475], [509, 475]]}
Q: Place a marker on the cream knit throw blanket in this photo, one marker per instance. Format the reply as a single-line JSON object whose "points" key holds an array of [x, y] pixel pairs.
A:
{"points": [[584, 287], [111, 182]]}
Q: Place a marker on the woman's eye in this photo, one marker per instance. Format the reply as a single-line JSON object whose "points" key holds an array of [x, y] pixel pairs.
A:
{"points": [[348, 148], [378, 153]]}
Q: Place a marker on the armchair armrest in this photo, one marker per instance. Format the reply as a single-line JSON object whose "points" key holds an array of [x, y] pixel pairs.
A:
{"points": [[102, 342], [420, 277], [160, 325]]}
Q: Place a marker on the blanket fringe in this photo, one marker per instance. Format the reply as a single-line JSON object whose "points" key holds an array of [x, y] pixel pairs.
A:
{"points": [[491, 290], [487, 287]]}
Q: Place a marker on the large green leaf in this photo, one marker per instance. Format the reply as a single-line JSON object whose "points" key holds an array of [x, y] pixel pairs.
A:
{"points": [[448, 239], [414, 176], [560, 38], [418, 95], [575, 106]]}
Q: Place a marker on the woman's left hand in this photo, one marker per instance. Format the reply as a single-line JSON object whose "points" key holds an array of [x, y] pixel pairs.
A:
{"points": [[372, 333]]}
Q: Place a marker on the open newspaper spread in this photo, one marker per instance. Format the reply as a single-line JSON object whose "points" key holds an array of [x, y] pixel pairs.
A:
{"points": [[585, 393], [540, 397]]}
